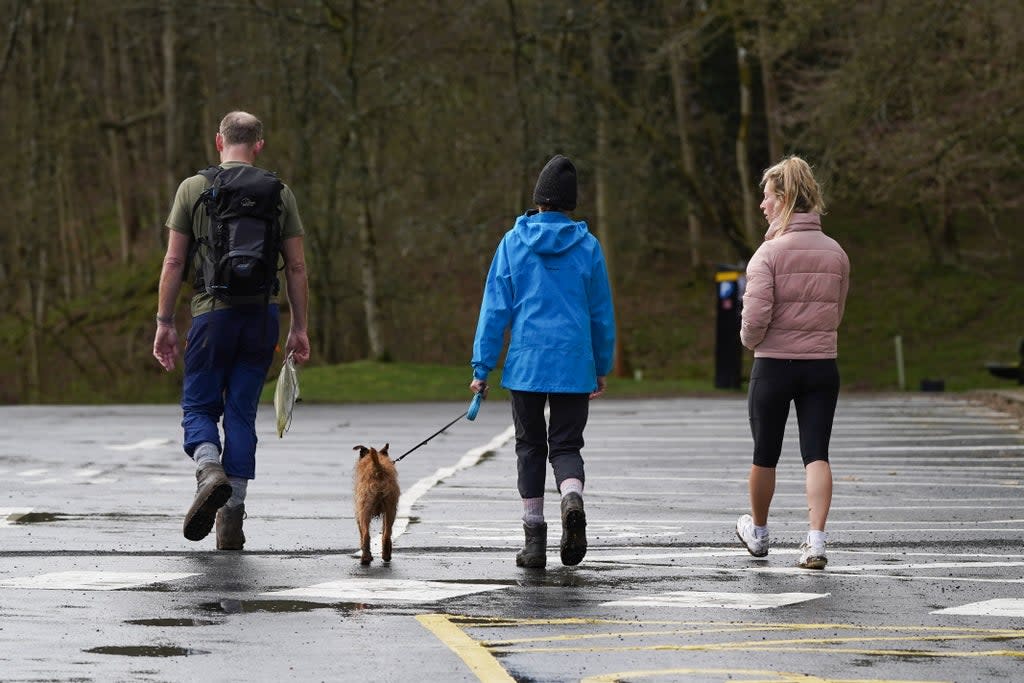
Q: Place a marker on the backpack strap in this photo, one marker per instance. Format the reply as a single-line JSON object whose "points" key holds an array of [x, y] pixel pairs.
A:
{"points": [[210, 173]]}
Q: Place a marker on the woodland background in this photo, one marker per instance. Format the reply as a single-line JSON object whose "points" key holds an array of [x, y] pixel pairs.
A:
{"points": [[412, 132]]}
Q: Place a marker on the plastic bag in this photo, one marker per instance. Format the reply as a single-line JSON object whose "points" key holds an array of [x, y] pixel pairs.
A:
{"points": [[285, 395]]}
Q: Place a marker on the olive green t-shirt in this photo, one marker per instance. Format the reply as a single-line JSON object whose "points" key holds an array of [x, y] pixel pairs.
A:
{"points": [[180, 220]]}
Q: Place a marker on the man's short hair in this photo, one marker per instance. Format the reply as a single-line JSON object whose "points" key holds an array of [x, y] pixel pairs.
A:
{"points": [[241, 128]]}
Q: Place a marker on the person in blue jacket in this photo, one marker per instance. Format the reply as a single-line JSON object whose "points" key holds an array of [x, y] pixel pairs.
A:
{"points": [[548, 285]]}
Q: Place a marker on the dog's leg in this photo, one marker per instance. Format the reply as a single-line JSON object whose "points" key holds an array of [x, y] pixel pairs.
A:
{"points": [[388, 522], [364, 537]]}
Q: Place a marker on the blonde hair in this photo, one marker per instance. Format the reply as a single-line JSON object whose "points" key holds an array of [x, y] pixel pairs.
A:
{"points": [[795, 187]]}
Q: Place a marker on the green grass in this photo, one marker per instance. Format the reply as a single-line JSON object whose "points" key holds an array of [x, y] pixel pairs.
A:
{"points": [[370, 382]]}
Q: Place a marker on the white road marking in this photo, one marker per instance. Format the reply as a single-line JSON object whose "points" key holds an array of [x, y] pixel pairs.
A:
{"points": [[33, 473], [144, 445], [1000, 607], [92, 580], [715, 599], [421, 487], [87, 472], [386, 590]]}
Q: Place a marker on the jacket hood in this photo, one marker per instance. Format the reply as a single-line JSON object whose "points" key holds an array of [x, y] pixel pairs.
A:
{"points": [[549, 232]]}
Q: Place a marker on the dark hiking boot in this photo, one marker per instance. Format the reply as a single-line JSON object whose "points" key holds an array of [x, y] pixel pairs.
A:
{"points": [[229, 528], [534, 554], [574, 530], [212, 491]]}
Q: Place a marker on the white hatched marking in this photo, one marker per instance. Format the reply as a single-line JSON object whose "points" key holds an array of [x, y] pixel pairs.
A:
{"points": [[386, 590], [92, 581], [144, 445], [714, 599], [33, 473], [100, 480], [1000, 607], [928, 565]]}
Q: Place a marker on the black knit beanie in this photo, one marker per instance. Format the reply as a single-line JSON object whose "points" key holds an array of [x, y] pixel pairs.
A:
{"points": [[556, 186]]}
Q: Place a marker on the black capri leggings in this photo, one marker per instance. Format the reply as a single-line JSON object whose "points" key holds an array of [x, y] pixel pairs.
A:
{"points": [[813, 385]]}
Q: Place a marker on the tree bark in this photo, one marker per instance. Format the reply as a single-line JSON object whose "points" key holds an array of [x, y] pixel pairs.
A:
{"points": [[771, 95], [681, 97], [600, 45], [168, 45], [367, 238], [742, 144]]}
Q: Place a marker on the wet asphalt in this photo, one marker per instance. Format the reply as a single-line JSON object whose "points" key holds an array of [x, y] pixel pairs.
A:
{"points": [[924, 581]]}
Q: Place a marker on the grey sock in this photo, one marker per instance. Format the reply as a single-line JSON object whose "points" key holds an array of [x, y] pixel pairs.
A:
{"points": [[571, 486], [238, 488], [533, 511], [206, 453]]}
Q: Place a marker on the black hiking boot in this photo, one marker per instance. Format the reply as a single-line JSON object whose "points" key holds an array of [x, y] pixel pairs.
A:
{"points": [[534, 554], [574, 530], [212, 491]]}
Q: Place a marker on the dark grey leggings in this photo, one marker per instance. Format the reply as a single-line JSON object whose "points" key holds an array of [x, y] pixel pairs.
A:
{"points": [[537, 442], [812, 385]]}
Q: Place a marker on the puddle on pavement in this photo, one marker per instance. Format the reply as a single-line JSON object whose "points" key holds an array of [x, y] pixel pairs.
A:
{"points": [[171, 622], [275, 606], [146, 651], [38, 518], [48, 517]]}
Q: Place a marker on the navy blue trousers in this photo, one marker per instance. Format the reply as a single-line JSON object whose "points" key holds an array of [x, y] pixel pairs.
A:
{"points": [[227, 355]]}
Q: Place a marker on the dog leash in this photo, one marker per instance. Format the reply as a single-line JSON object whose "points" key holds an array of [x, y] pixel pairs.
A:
{"points": [[470, 414]]}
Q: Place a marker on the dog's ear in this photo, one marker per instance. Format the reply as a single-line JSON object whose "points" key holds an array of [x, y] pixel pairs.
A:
{"points": [[363, 450], [384, 451]]}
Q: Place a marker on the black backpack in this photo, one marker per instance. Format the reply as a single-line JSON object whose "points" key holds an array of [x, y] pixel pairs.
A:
{"points": [[239, 255]]}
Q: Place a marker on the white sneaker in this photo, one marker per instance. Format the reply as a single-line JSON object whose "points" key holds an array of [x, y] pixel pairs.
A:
{"points": [[758, 547], [812, 556]]}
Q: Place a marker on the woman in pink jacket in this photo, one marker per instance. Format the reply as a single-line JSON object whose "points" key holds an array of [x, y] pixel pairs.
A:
{"points": [[796, 289]]}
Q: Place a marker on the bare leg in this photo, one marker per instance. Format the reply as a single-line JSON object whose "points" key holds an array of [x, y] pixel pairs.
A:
{"points": [[762, 489], [819, 493]]}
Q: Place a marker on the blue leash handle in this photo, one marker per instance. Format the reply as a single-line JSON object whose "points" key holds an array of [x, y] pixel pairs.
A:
{"points": [[474, 406]]}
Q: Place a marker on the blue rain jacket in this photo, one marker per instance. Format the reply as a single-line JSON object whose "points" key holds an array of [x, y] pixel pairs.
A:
{"points": [[548, 284]]}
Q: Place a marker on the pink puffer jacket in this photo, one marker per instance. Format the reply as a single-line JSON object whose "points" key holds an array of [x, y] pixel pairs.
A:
{"points": [[796, 292]]}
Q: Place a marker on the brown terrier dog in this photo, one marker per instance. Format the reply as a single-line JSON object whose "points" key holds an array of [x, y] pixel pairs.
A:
{"points": [[376, 495]]}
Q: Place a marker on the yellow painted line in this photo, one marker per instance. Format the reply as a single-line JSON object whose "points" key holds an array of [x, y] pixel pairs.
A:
{"points": [[768, 644], [481, 662], [757, 647], [775, 676], [503, 622], [956, 634]]}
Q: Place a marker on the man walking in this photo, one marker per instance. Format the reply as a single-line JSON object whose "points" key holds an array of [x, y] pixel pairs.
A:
{"points": [[230, 345]]}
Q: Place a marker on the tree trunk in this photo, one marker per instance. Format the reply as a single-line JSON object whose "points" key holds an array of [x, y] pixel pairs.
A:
{"points": [[771, 95], [742, 152], [600, 45], [111, 96], [526, 161], [367, 238], [681, 96], [168, 45]]}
